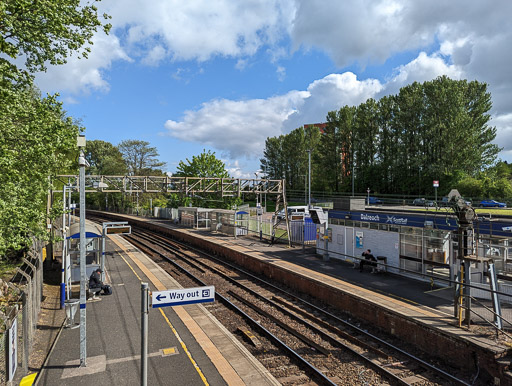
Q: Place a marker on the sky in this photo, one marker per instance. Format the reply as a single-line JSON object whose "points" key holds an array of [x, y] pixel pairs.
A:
{"points": [[220, 75]]}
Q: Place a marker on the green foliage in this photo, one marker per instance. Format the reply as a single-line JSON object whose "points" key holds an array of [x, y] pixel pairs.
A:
{"points": [[104, 159], [37, 140], [47, 31], [286, 156], [437, 130], [205, 164], [140, 158]]}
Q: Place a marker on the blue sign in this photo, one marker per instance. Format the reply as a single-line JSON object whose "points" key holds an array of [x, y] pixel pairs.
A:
{"points": [[483, 225]]}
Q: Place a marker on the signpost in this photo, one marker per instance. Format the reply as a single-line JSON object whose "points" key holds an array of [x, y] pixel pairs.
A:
{"points": [[436, 185], [112, 228], [173, 297]]}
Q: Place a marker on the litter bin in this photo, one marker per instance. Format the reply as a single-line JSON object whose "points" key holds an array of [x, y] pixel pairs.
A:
{"points": [[382, 262], [71, 305]]}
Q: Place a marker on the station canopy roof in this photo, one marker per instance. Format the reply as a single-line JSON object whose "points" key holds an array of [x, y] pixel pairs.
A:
{"points": [[91, 231]]}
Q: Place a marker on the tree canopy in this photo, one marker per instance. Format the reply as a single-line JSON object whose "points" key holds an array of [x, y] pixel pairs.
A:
{"points": [[47, 31], [140, 158], [205, 164], [104, 158], [436, 130], [37, 138]]}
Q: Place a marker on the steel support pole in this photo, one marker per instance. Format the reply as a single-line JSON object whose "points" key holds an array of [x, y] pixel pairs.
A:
{"points": [[63, 257], [144, 334], [495, 297], [309, 179], [83, 272], [102, 262]]}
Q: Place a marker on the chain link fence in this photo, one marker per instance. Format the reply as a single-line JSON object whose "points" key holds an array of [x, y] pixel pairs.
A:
{"points": [[19, 313]]}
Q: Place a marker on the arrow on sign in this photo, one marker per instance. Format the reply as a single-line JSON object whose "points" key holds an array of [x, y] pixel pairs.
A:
{"points": [[160, 297]]}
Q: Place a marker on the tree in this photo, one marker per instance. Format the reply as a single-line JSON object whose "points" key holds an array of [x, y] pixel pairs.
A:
{"points": [[437, 130], [205, 164], [104, 158], [47, 31], [37, 140], [140, 158]]}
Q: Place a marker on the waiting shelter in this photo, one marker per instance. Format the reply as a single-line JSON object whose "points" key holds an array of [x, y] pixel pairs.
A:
{"points": [[193, 217], [230, 222], [93, 242]]}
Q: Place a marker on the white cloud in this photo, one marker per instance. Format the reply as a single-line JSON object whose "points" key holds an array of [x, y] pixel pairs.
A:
{"points": [[237, 128], [240, 128], [503, 139], [281, 73], [421, 69], [79, 75], [199, 30], [155, 56], [330, 93]]}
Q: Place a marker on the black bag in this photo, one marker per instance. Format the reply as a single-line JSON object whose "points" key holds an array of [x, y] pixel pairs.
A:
{"points": [[107, 290]]}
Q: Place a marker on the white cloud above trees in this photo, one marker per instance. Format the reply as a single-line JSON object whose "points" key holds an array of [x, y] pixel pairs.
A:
{"points": [[458, 38]]}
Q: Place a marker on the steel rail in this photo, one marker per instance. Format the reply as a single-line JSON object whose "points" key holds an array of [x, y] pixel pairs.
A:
{"points": [[312, 369], [419, 361]]}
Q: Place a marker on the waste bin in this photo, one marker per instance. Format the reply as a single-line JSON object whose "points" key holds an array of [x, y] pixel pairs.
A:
{"points": [[71, 305], [382, 262]]}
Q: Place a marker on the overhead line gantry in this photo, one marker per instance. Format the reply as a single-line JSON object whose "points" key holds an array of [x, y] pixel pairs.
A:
{"points": [[226, 187]]}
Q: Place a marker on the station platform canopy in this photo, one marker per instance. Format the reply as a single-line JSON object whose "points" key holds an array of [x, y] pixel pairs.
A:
{"points": [[91, 231]]}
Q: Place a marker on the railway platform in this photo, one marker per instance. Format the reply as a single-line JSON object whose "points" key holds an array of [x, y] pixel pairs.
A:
{"points": [[186, 345], [414, 311]]}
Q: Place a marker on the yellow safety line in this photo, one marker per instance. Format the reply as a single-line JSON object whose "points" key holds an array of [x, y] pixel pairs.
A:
{"points": [[183, 345]]}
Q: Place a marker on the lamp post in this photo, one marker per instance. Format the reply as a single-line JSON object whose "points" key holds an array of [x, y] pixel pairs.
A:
{"points": [[352, 178], [309, 178], [83, 275]]}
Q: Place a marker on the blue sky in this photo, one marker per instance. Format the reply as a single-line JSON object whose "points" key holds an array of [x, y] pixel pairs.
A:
{"points": [[224, 75]]}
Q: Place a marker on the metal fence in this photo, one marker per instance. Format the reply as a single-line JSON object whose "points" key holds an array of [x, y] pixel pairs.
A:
{"points": [[19, 316]]}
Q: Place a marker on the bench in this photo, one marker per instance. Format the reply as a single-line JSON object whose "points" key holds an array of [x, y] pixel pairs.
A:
{"points": [[375, 266]]}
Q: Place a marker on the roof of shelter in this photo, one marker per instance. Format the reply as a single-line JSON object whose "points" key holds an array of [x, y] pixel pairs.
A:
{"points": [[91, 231]]}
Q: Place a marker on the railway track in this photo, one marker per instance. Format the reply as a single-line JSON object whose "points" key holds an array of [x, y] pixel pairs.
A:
{"points": [[298, 341]]}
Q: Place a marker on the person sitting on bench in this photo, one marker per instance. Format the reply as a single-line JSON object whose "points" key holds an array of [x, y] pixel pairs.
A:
{"points": [[369, 259], [95, 281]]}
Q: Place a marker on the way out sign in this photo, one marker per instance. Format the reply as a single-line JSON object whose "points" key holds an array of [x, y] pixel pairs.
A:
{"points": [[179, 297]]}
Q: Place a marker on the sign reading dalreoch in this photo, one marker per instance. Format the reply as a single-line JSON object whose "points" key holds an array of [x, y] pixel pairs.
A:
{"points": [[178, 297]]}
